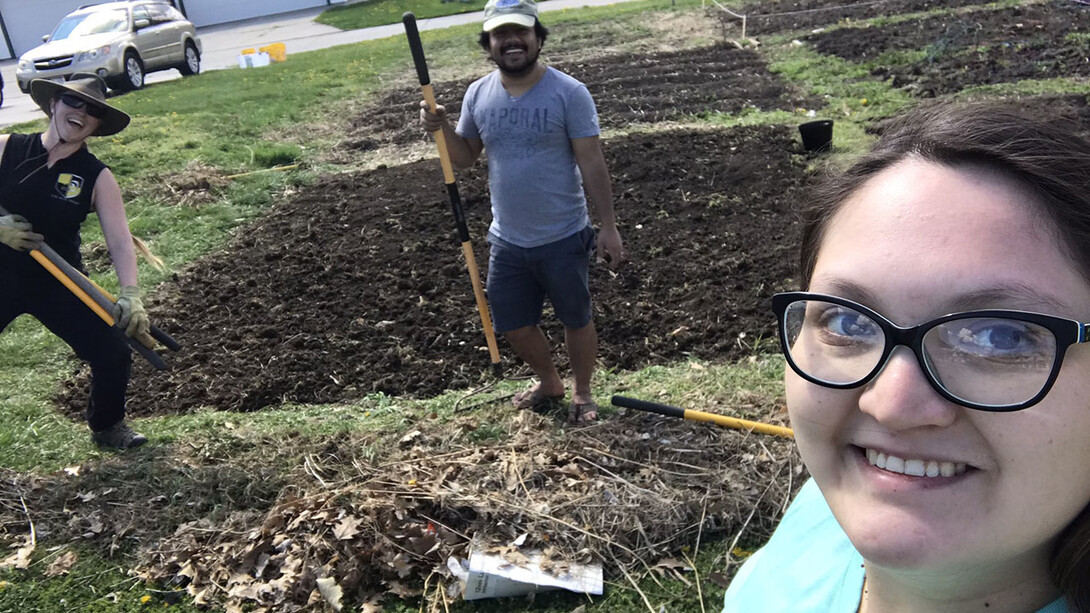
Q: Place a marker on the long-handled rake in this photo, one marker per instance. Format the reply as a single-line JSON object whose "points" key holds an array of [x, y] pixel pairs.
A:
{"points": [[722, 420], [98, 300], [452, 191]]}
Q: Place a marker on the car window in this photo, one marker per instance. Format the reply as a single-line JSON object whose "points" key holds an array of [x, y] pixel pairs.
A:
{"points": [[91, 23], [175, 14], [140, 12], [159, 13]]}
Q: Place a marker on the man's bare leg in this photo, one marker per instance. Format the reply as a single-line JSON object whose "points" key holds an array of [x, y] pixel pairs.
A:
{"points": [[582, 344], [531, 345]]}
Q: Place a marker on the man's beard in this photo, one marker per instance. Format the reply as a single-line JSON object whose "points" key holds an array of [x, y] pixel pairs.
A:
{"points": [[516, 67]]}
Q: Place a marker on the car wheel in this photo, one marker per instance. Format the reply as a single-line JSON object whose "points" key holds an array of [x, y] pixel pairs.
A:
{"points": [[134, 71], [192, 63]]}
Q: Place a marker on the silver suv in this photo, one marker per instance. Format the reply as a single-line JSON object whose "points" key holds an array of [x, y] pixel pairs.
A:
{"points": [[118, 41]]}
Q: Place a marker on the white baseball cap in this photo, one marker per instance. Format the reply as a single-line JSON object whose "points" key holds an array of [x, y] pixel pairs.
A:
{"points": [[503, 12]]}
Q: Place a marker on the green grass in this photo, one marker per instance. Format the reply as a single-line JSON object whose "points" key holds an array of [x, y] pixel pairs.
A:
{"points": [[381, 12], [93, 585], [1028, 87]]}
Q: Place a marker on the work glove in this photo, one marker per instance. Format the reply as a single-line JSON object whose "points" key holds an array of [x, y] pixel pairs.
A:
{"points": [[131, 316], [16, 232]]}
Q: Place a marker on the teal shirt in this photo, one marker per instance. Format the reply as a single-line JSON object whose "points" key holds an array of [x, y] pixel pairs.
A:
{"points": [[808, 566]]}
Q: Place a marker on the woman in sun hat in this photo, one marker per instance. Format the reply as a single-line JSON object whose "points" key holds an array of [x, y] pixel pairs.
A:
{"points": [[939, 377], [49, 183]]}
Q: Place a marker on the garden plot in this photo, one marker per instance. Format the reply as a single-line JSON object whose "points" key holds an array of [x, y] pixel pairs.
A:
{"points": [[786, 15], [357, 284], [982, 47]]}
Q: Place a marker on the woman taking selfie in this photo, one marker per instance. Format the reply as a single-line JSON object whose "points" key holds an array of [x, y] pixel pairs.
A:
{"points": [[49, 183], [939, 380]]}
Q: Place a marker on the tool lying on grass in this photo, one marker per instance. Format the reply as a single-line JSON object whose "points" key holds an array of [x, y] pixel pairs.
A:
{"points": [[98, 300], [722, 420], [452, 191]]}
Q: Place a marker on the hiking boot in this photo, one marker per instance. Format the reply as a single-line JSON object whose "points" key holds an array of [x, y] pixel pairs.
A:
{"points": [[119, 436]]}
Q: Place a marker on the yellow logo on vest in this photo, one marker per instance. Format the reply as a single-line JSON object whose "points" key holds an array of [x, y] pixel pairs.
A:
{"points": [[69, 185]]}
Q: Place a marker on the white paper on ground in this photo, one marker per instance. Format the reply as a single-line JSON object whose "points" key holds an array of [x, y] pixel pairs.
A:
{"points": [[491, 576], [253, 60]]}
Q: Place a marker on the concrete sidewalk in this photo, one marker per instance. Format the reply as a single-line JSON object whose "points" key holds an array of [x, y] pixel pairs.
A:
{"points": [[298, 31]]}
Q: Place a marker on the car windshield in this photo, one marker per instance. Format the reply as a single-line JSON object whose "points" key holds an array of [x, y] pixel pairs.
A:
{"points": [[87, 24]]}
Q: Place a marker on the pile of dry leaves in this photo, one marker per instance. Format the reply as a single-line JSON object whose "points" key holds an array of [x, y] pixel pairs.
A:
{"points": [[629, 493]]}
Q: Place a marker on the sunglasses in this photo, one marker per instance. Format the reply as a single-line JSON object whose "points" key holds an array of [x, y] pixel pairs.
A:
{"points": [[76, 102], [993, 360]]}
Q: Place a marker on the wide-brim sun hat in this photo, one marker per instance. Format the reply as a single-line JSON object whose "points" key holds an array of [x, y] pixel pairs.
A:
{"points": [[89, 88], [502, 12]]}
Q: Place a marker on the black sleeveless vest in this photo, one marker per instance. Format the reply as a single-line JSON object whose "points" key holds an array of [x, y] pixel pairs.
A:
{"points": [[54, 200]]}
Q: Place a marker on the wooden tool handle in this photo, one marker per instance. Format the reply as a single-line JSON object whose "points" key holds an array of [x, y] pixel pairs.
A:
{"points": [[89, 294], [417, 50]]}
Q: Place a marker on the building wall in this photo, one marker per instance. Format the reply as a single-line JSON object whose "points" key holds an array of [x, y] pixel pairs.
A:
{"points": [[26, 21], [211, 12]]}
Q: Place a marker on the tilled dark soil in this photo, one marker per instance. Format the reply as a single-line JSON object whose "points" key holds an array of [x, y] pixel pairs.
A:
{"points": [[950, 33], [977, 48], [357, 284], [627, 89], [785, 15]]}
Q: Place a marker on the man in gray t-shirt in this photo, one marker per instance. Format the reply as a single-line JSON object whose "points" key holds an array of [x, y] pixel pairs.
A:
{"points": [[539, 129]]}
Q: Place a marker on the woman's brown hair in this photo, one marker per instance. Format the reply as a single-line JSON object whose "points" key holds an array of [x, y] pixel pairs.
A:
{"points": [[1046, 156]]}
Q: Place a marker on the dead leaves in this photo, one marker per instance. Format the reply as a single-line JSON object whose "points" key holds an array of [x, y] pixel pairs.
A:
{"points": [[347, 528], [21, 558], [62, 564], [331, 592], [635, 491]]}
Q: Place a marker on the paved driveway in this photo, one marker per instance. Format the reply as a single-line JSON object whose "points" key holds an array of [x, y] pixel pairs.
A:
{"points": [[298, 31]]}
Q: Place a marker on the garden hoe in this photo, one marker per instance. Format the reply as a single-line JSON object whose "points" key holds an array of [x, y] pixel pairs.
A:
{"points": [[97, 299], [722, 420], [452, 190]]}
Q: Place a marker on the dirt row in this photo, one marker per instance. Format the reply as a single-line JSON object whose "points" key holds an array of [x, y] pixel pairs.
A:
{"points": [[786, 15], [627, 89], [939, 35]]}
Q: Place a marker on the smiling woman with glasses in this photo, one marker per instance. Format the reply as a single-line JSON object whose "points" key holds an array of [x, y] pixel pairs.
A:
{"points": [[939, 377], [49, 184]]}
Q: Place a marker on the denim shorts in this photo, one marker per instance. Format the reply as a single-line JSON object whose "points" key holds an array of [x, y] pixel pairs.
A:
{"points": [[520, 278]]}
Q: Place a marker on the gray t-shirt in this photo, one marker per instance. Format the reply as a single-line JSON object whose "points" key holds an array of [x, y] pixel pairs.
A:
{"points": [[537, 190]]}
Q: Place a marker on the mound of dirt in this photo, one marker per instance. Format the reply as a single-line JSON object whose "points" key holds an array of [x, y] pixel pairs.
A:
{"points": [[627, 89], [357, 284]]}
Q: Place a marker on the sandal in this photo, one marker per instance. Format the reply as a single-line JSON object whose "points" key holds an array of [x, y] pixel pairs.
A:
{"points": [[533, 400], [582, 413]]}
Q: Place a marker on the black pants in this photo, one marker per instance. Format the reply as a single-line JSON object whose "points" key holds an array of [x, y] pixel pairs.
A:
{"points": [[104, 348]]}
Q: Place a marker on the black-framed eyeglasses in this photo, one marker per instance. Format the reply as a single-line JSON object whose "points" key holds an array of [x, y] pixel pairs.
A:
{"points": [[991, 360], [76, 102]]}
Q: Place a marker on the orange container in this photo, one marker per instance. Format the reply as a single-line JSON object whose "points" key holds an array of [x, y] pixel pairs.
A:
{"points": [[277, 52]]}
